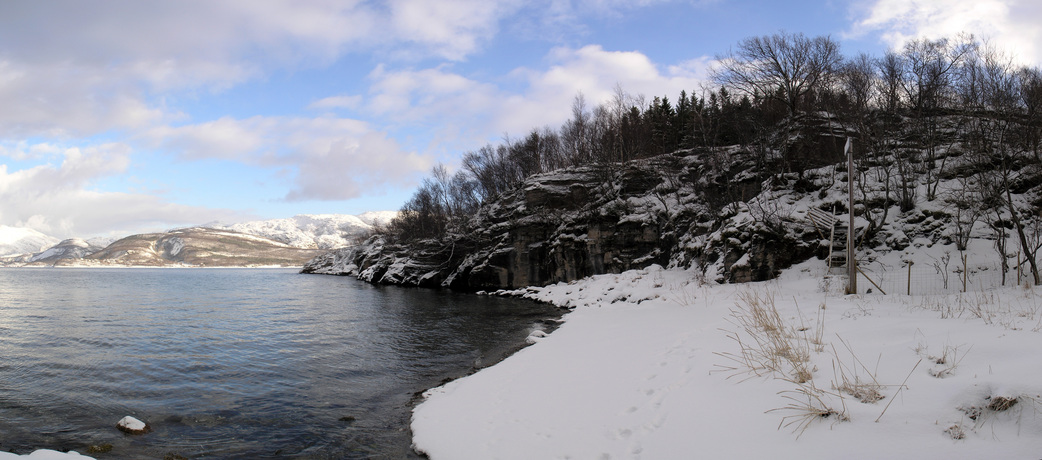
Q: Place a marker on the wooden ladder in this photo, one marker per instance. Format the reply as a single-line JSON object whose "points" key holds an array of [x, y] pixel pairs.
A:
{"points": [[828, 226]]}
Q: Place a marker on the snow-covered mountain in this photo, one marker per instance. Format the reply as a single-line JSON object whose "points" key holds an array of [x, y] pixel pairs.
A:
{"points": [[314, 231], [199, 247], [308, 232], [16, 241], [72, 248]]}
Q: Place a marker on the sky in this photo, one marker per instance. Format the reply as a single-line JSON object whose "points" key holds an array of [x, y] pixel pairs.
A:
{"points": [[123, 117]]}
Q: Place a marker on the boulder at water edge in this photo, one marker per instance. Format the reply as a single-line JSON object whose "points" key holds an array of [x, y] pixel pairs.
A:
{"points": [[131, 425]]}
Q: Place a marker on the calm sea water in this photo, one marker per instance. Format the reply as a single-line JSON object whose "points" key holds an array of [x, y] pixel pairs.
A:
{"points": [[233, 363]]}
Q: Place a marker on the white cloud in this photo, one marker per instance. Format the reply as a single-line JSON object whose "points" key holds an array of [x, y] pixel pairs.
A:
{"points": [[1012, 25], [57, 199], [74, 68], [63, 100], [452, 29], [595, 72], [417, 95], [334, 158], [467, 112], [337, 102]]}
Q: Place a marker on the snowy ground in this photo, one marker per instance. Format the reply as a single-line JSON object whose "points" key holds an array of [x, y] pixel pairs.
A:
{"points": [[650, 365]]}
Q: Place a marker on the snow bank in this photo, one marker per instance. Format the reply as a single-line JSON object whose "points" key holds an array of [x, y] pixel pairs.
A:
{"points": [[46, 454], [644, 367]]}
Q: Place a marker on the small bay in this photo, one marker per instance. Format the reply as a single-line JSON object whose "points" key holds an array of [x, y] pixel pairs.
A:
{"points": [[234, 363]]}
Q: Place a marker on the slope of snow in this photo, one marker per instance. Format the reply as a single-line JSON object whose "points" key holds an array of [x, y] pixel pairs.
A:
{"points": [[650, 365], [310, 231], [20, 240]]}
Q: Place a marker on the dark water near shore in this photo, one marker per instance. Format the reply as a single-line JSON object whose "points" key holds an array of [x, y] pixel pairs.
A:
{"points": [[233, 363]]}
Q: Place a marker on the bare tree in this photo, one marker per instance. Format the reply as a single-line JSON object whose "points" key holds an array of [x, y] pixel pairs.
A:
{"points": [[1029, 84], [785, 67], [1000, 163], [857, 80], [576, 133], [931, 71]]}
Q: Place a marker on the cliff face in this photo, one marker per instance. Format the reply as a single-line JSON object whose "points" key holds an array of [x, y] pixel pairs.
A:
{"points": [[584, 221]]}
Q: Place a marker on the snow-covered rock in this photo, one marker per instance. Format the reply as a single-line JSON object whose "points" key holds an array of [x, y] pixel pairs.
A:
{"points": [[132, 425]]}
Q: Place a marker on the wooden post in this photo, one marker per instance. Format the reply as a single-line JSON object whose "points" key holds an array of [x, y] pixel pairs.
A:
{"points": [[965, 273], [910, 263], [851, 261], [1018, 268]]}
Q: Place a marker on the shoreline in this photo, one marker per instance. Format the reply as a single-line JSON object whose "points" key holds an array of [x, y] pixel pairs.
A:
{"points": [[549, 324]]}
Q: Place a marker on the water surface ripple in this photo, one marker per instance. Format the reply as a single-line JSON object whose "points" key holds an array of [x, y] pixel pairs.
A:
{"points": [[233, 363]]}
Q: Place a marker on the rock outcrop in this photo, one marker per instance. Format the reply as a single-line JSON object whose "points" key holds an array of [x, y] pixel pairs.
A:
{"points": [[668, 210]]}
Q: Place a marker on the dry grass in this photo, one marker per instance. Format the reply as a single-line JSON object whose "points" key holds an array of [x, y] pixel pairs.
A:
{"points": [[992, 406], [807, 404], [775, 348], [856, 380], [956, 432], [990, 308], [1002, 403], [948, 361]]}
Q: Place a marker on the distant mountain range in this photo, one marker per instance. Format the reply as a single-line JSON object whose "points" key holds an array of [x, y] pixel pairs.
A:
{"points": [[276, 242], [314, 231]]}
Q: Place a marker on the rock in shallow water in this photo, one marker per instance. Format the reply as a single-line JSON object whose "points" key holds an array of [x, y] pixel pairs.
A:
{"points": [[131, 425]]}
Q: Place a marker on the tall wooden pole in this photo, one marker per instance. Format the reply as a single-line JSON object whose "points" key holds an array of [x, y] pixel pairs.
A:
{"points": [[851, 261]]}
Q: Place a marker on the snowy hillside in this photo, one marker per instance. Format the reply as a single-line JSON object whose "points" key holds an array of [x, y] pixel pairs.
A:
{"points": [[19, 240], [73, 248], [315, 231]]}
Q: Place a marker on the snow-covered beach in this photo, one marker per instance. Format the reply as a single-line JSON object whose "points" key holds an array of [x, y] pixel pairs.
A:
{"points": [[650, 365]]}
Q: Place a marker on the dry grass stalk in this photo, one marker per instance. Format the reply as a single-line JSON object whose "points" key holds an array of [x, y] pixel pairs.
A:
{"points": [[949, 360], [1001, 403], [768, 345], [899, 389], [775, 346], [806, 405], [851, 382], [956, 432]]}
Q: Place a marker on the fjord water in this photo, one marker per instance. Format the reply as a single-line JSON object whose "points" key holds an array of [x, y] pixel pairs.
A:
{"points": [[233, 363]]}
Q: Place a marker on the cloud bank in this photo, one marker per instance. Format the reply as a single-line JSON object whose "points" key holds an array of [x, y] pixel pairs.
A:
{"points": [[1012, 25]]}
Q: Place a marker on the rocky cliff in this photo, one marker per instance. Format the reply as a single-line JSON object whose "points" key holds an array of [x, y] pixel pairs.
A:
{"points": [[682, 209]]}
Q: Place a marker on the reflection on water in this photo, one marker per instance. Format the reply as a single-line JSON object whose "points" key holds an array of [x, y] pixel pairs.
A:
{"points": [[233, 363]]}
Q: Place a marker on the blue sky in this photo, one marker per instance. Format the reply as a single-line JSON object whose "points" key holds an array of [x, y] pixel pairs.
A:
{"points": [[123, 117]]}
